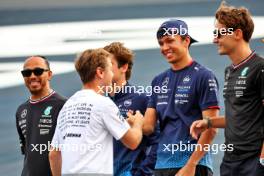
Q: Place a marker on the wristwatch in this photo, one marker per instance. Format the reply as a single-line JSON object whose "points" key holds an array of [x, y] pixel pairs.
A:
{"points": [[261, 161], [209, 122]]}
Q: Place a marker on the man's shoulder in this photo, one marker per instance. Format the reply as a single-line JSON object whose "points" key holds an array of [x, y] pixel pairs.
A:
{"points": [[105, 101], [164, 73], [162, 76], [58, 97], [201, 69], [138, 93], [23, 105], [55, 100], [259, 59]]}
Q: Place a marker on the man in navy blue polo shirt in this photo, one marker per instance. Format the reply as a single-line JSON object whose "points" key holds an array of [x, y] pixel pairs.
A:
{"points": [[191, 94], [139, 162]]}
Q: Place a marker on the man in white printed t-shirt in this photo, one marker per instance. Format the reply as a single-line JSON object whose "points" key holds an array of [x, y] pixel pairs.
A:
{"points": [[83, 139]]}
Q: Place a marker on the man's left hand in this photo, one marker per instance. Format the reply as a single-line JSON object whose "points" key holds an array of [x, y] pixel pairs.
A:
{"points": [[187, 170]]}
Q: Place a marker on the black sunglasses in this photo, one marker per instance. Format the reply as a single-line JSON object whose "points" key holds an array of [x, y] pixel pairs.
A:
{"points": [[36, 71]]}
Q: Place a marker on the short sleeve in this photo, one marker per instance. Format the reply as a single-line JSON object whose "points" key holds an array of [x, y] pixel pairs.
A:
{"points": [[114, 122], [208, 91], [21, 136], [260, 82], [56, 140]]}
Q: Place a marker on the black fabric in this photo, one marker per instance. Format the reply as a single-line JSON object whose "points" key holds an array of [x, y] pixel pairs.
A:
{"points": [[36, 124], [243, 96], [246, 167], [199, 171]]}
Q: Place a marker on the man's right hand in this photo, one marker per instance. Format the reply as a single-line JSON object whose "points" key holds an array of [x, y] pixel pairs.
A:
{"points": [[135, 119], [198, 127], [133, 136]]}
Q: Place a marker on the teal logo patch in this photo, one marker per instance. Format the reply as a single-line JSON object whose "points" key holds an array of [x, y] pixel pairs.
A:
{"points": [[244, 71], [47, 110]]}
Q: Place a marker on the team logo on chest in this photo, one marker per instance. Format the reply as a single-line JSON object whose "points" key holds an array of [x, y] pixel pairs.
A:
{"points": [[47, 112], [186, 79], [45, 122], [244, 72], [128, 103]]}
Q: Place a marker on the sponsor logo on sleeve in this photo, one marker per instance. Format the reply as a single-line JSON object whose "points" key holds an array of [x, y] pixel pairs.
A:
{"points": [[23, 113], [165, 81]]}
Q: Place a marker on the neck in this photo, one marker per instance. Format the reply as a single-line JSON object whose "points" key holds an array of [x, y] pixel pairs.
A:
{"points": [[240, 53], [184, 62], [119, 84], [95, 87], [40, 95]]}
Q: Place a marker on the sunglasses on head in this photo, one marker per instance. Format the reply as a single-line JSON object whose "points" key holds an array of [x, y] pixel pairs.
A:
{"points": [[36, 71]]}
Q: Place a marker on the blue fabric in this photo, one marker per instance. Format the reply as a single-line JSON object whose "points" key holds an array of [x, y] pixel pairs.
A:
{"points": [[126, 161], [189, 91]]}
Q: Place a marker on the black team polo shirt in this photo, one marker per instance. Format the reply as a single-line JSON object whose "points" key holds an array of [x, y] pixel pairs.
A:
{"points": [[244, 98]]}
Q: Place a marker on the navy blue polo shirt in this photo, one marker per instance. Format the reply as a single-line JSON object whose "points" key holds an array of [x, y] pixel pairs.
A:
{"points": [[126, 161], [189, 91]]}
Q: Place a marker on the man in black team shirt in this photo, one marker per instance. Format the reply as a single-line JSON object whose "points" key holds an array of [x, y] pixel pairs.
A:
{"points": [[243, 95], [36, 118]]}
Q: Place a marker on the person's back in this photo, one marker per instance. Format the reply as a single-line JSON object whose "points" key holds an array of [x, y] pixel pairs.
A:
{"points": [[128, 97], [83, 140], [86, 124]]}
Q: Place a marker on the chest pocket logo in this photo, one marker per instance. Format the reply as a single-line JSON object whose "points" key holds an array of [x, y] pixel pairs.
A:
{"points": [[244, 71], [47, 110], [186, 79], [128, 103]]}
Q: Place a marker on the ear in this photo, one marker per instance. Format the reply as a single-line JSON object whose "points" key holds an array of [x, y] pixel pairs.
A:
{"points": [[99, 73], [124, 68], [50, 74], [187, 41], [238, 34]]}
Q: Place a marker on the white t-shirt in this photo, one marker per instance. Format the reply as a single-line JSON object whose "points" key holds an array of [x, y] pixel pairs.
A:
{"points": [[85, 128]]}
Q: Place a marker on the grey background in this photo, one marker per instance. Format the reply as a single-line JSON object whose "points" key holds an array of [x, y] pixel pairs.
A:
{"points": [[148, 63]]}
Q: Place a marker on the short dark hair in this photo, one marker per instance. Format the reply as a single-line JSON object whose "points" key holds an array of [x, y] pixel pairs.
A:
{"points": [[123, 56], [236, 18], [45, 59], [89, 61]]}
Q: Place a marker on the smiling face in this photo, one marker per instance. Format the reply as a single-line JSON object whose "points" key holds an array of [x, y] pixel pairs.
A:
{"points": [[173, 48], [37, 84], [225, 43]]}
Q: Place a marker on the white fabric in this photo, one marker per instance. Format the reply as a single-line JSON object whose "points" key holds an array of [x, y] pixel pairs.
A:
{"points": [[84, 133]]}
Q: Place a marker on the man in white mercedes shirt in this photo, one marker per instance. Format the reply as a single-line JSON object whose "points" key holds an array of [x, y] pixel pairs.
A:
{"points": [[83, 139]]}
